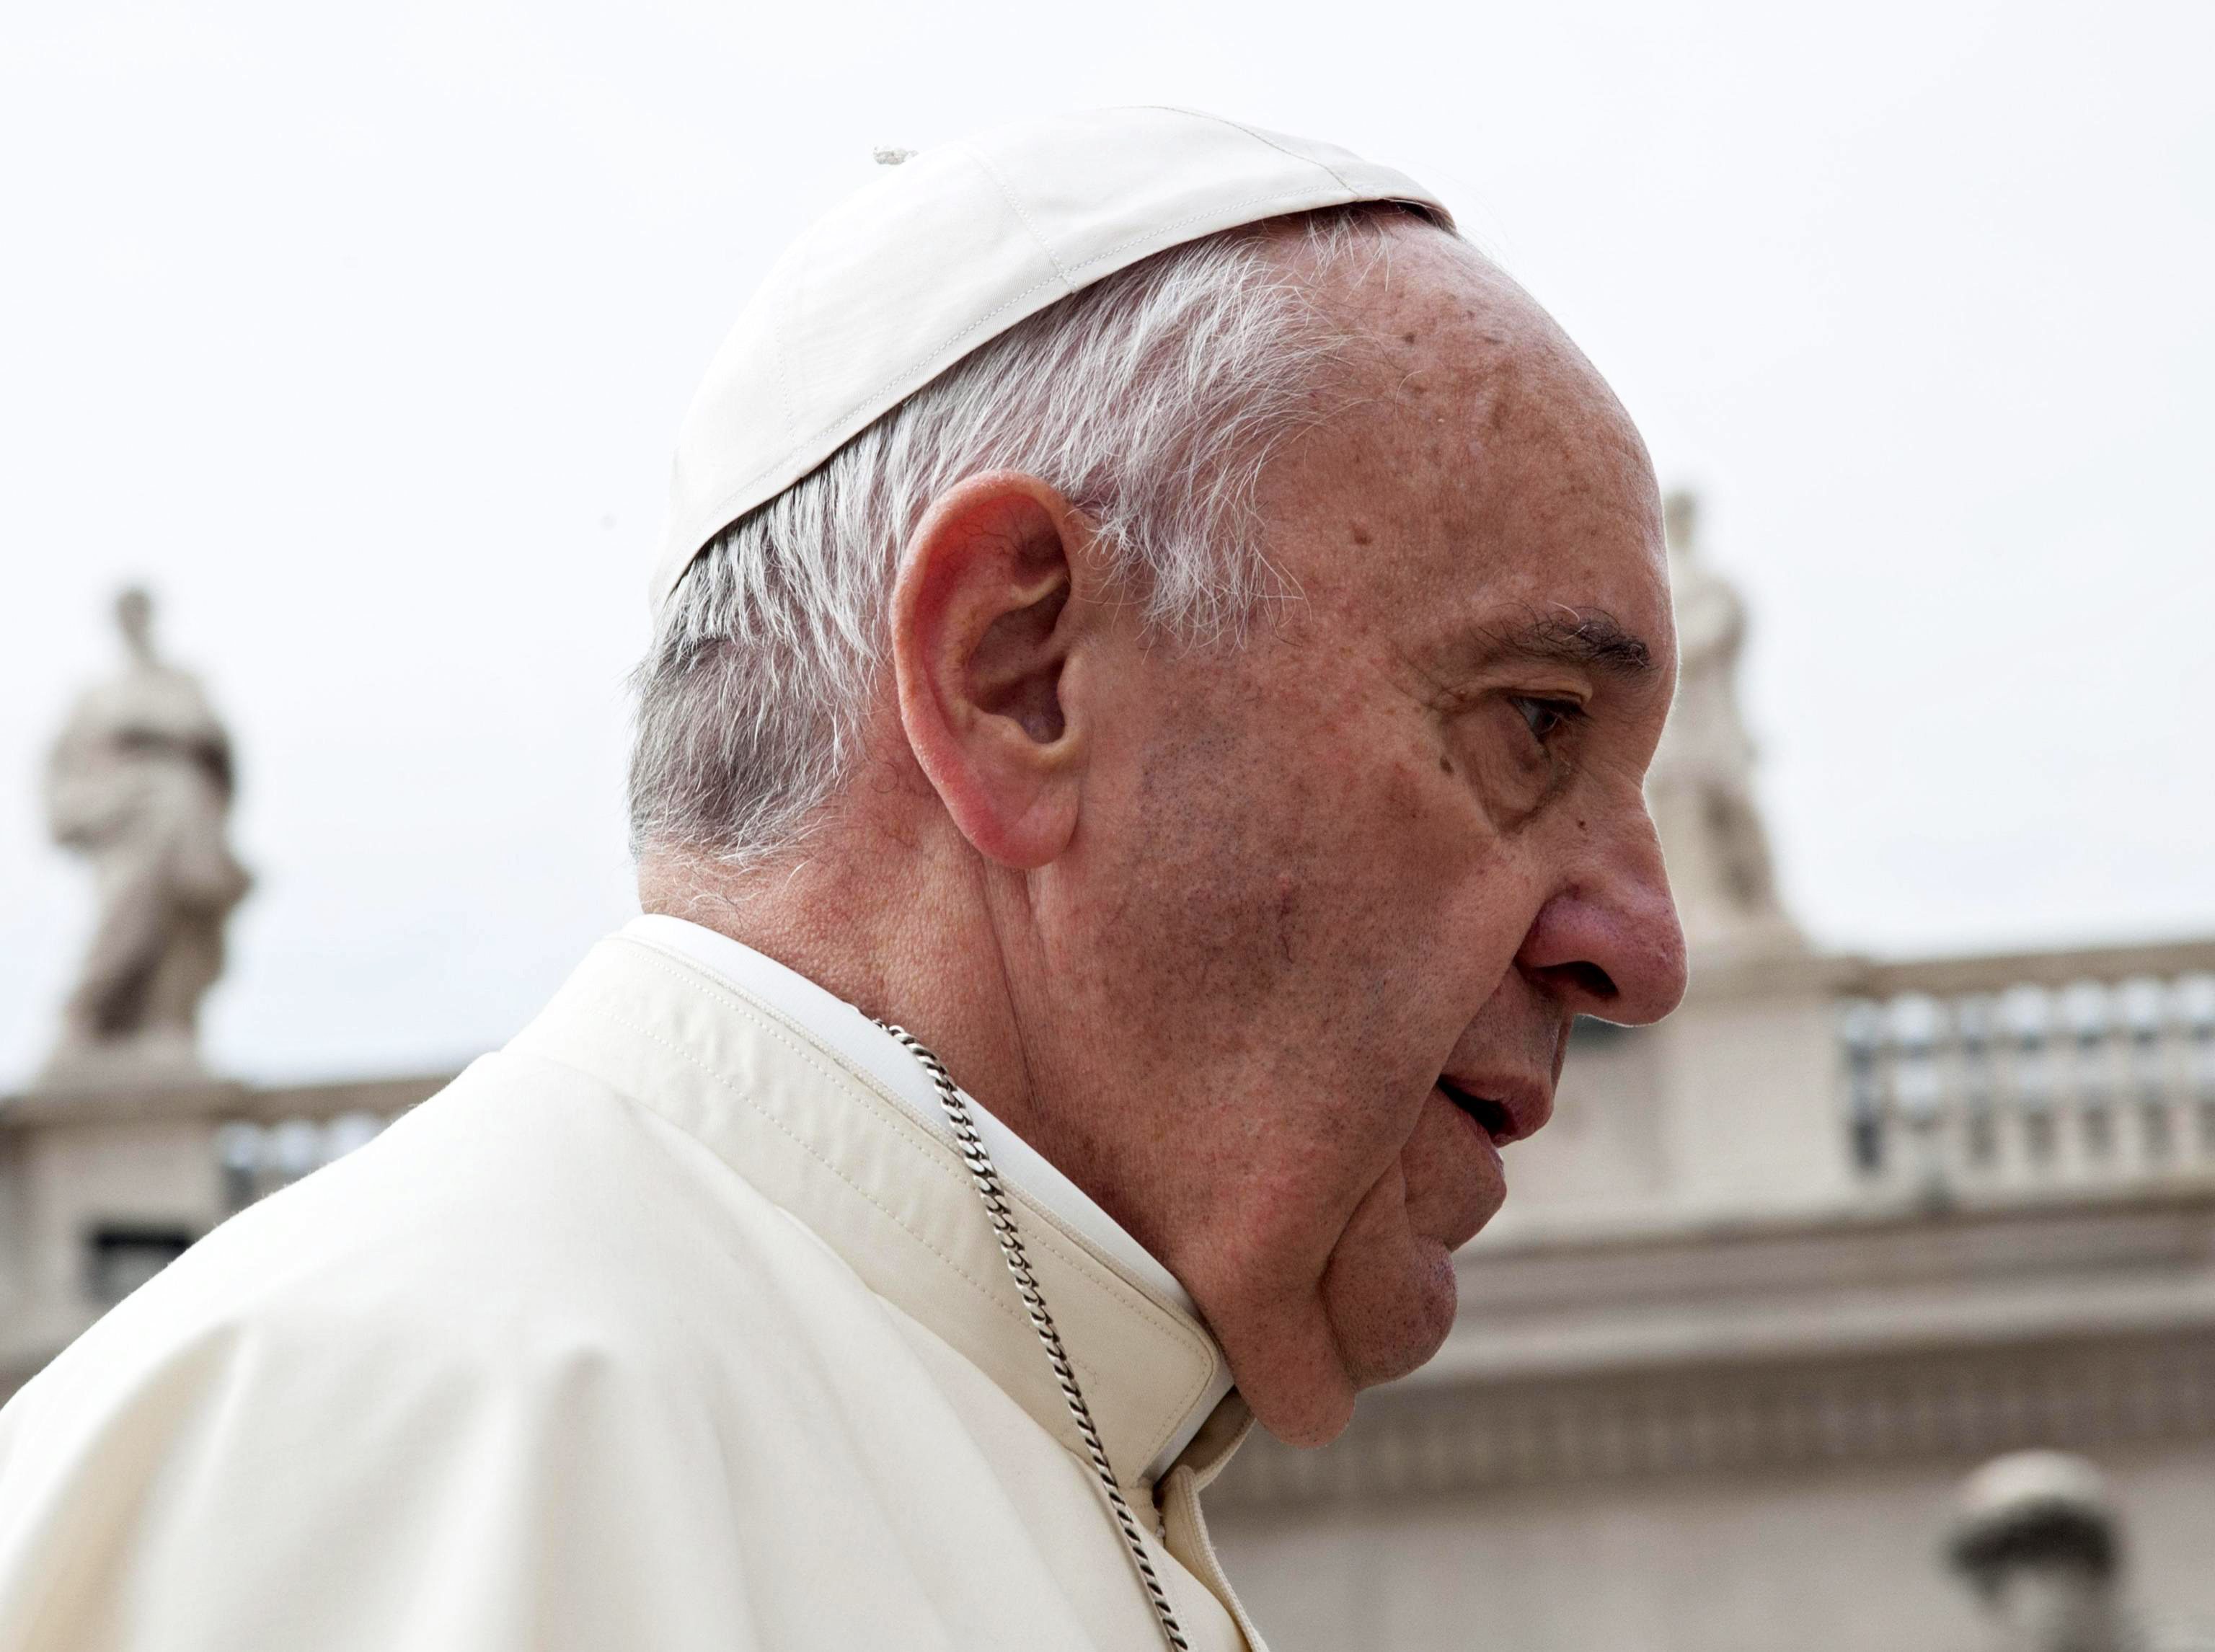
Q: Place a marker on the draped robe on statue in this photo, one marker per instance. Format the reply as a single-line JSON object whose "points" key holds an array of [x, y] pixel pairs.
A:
{"points": [[676, 1324]]}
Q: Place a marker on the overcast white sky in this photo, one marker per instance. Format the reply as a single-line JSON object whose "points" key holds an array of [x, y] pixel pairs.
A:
{"points": [[361, 333]]}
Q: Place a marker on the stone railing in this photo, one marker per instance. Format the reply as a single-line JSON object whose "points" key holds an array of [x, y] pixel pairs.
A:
{"points": [[2009, 1074], [257, 1160], [99, 1190], [215, 1100], [287, 1133], [262, 1139]]}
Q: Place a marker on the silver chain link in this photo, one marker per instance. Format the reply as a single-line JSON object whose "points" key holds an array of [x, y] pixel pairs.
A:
{"points": [[987, 1181]]}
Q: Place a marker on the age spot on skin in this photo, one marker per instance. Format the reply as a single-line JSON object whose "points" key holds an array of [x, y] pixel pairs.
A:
{"points": [[1362, 535], [1445, 766]]}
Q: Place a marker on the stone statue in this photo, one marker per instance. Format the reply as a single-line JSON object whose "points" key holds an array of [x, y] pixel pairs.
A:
{"points": [[1701, 785], [140, 784], [2037, 1535]]}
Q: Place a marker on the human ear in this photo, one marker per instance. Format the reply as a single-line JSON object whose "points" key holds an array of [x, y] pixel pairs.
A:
{"points": [[983, 631]]}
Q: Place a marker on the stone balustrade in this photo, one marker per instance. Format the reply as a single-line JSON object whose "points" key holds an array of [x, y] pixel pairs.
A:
{"points": [[256, 1158], [100, 1188], [2009, 1075]]}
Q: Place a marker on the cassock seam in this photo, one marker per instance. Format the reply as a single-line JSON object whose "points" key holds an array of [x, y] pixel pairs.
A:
{"points": [[1061, 1243], [995, 1297], [1056, 1240], [1184, 1490], [665, 1122], [940, 1154], [598, 1002], [607, 1007]]}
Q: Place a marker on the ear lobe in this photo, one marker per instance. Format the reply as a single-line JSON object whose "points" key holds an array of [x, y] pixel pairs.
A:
{"points": [[982, 633]]}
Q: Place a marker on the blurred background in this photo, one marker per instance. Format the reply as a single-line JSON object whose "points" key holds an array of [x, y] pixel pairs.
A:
{"points": [[359, 336]]}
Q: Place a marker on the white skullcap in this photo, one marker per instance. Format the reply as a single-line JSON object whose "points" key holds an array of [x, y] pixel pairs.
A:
{"points": [[949, 249]]}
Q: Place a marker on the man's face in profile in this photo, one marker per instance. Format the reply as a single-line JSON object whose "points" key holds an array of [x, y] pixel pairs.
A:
{"points": [[1350, 884]]}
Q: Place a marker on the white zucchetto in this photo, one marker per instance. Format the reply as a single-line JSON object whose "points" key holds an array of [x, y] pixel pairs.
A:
{"points": [[948, 249]]}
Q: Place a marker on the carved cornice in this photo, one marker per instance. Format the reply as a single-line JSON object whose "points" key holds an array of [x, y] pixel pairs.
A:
{"points": [[220, 1101], [2161, 960], [1740, 1419]]}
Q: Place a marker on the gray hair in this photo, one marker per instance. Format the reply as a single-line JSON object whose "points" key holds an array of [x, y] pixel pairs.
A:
{"points": [[1152, 400]]}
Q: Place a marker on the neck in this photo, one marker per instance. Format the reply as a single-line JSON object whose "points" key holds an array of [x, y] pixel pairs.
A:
{"points": [[903, 919], [909, 939]]}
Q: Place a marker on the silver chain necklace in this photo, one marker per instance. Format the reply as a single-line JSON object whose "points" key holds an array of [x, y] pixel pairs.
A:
{"points": [[986, 1180]]}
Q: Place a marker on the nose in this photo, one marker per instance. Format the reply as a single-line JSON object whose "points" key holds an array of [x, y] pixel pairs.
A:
{"points": [[1610, 946]]}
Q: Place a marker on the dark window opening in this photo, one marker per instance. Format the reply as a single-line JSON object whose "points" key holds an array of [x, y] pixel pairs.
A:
{"points": [[120, 1257]]}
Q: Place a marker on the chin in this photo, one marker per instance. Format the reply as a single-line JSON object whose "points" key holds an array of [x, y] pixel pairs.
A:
{"points": [[1399, 1331], [1382, 1323]]}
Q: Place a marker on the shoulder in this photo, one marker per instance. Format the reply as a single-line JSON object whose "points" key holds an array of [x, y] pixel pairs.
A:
{"points": [[525, 1289], [461, 1341], [525, 1222]]}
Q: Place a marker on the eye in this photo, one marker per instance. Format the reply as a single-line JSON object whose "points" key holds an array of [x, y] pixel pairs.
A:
{"points": [[1547, 718]]}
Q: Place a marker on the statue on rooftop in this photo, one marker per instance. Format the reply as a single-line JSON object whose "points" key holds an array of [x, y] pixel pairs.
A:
{"points": [[140, 784], [1701, 785], [2038, 1536]]}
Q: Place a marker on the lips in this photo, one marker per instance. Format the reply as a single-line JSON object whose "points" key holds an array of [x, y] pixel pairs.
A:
{"points": [[1506, 1112]]}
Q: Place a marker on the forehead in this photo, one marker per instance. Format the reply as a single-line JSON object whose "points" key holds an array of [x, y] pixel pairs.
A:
{"points": [[1468, 461]]}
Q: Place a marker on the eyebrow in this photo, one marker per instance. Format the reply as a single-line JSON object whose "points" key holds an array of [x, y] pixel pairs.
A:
{"points": [[1571, 636]]}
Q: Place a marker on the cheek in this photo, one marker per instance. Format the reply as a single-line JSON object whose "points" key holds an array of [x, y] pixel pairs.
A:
{"points": [[1277, 876], [1304, 916], [1438, 903]]}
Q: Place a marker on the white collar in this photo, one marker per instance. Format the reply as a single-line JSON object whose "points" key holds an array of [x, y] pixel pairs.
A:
{"points": [[860, 1042]]}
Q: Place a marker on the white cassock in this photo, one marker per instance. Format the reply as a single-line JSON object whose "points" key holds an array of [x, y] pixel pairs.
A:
{"points": [[676, 1324]]}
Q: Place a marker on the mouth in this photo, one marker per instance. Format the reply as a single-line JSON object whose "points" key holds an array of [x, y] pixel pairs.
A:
{"points": [[1503, 1118]]}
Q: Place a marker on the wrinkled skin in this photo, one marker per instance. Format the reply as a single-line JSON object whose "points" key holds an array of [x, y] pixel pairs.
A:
{"points": [[1272, 948]]}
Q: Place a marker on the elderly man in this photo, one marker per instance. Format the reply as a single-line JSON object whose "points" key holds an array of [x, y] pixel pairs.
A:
{"points": [[1150, 613]]}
